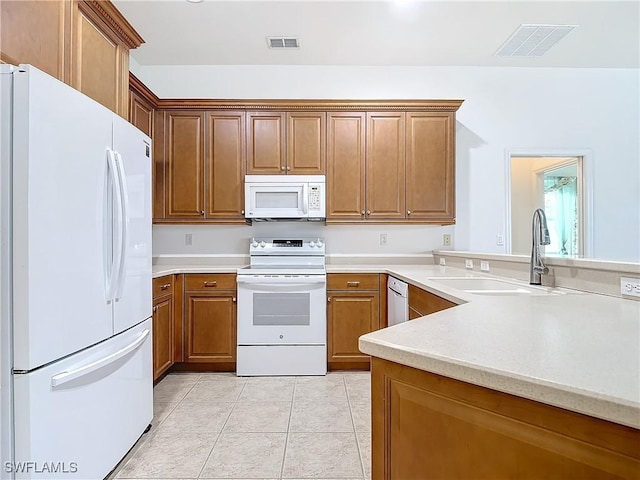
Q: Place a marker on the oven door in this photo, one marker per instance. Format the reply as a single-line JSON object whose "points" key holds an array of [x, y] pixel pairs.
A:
{"points": [[282, 310]]}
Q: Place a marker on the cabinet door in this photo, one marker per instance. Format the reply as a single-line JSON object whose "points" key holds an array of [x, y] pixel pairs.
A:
{"points": [[306, 137], [162, 335], [225, 160], [99, 63], [184, 153], [266, 147], [141, 113], [430, 166], [345, 166], [350, 315], [385, 198], [34, 32], [211, 327]]}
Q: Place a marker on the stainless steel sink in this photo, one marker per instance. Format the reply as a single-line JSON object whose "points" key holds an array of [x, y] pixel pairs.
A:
{"points": [[492, 286]]}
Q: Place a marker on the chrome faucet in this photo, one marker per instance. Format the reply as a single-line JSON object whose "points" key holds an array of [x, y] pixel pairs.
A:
{"points": [[540, 234]]}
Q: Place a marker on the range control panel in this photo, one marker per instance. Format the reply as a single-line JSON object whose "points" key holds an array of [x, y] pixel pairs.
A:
{"points": [[287, 246]]}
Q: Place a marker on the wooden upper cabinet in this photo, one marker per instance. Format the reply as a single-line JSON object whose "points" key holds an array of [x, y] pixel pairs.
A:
{"points": [[385, 166], [345, 165], [306, 133], [266, 145], [184, 151], [286, 143], [35, 32], [100, 41], [225, 159], [430, 166], [141, 113]]}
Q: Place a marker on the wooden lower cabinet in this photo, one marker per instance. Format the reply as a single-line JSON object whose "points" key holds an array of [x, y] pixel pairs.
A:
{"points": [[163, 325], [425, 426], [423, 303], [352, 311], [210, 319]]}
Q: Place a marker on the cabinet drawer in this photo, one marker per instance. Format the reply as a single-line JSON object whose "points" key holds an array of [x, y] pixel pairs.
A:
{"points": [[425, 303], [353, 281], [162, 286], [210, 281]]}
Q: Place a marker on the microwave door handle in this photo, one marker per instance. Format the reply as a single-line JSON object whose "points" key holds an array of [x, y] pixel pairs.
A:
{"points": [[305, 198]]}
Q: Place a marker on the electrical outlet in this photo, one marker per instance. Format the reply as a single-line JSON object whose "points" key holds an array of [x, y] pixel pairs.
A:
{"points": [[383, 239], [443, 262], [499, 240], [484, 266], [446, 239], [188, 239], [630, 286], [468, 263]]}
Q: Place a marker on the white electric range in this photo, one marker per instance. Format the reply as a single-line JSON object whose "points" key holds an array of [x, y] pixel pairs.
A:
{"points": [[282, 326]]}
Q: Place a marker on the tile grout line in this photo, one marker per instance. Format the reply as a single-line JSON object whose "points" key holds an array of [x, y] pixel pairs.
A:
{"points": [[221, 430], [355, 431], [286, 440]]}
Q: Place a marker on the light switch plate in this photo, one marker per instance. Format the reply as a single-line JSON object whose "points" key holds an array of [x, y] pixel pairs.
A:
{"points": [[468, 263], [630, 286], [443, 262]]}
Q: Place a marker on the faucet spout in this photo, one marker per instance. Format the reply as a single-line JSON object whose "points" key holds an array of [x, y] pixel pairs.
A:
{"points": [[540, 236]]}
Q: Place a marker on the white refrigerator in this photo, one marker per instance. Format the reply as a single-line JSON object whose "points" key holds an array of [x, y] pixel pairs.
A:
{"points": [[75, 332]]}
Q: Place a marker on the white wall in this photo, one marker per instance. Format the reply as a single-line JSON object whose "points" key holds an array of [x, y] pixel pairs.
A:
{"points": [[504, 109]]}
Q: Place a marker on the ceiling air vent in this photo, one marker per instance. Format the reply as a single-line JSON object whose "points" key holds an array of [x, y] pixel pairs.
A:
{"points": [[533, 40], [283, 42]]}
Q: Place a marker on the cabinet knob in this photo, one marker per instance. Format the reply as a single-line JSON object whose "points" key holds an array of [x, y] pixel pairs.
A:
{"points": [[329, 299], [210, 284], [408, 212], [155, 309], [242, 212], [368, 212], [234, 300], [282, 168], [288, 168], [362, 212], [201, 212]]}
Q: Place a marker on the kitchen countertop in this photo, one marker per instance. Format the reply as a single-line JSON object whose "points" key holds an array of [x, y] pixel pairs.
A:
{"points": [[574, 350]]}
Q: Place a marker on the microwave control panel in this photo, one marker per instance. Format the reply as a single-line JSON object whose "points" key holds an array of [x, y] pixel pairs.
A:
{"points": [[314, 197]]}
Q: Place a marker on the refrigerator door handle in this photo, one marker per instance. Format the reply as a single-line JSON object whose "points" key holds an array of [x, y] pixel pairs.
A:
{"points": [[65, 377], [122, 270], [116, 227]]}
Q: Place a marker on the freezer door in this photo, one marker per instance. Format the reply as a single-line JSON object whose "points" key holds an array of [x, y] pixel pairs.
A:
{"points": [[133, 288], [82, 414], [60, 250]]}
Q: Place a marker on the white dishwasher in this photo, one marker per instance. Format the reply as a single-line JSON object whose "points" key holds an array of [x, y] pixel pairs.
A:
{"points": [[397, 302]]}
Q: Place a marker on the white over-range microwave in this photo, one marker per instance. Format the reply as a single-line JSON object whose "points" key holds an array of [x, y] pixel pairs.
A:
{"points": [[284, 197]]}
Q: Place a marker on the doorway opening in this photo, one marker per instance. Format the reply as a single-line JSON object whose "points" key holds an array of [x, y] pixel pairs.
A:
{"points": [[556, 185]]}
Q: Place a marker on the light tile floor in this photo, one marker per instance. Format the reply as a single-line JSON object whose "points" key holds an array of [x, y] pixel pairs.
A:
{"points": [[217, 425]]}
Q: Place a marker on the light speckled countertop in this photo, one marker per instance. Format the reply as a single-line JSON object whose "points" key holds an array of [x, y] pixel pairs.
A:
{"points": [[575, 350]]}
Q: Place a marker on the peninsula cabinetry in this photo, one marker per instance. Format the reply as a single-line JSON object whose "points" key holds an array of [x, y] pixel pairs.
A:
{"points": [[210, 319], [353, 309], [286, 143], [419, 418], [423, 303], [84, 43], [163, 325]]}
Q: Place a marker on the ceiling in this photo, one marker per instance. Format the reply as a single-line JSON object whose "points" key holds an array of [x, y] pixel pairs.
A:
{"points": [[380, 33]]}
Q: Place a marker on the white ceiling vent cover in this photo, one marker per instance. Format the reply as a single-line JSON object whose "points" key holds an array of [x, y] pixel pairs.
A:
{"points": [[283, 42], [533, 40]]}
